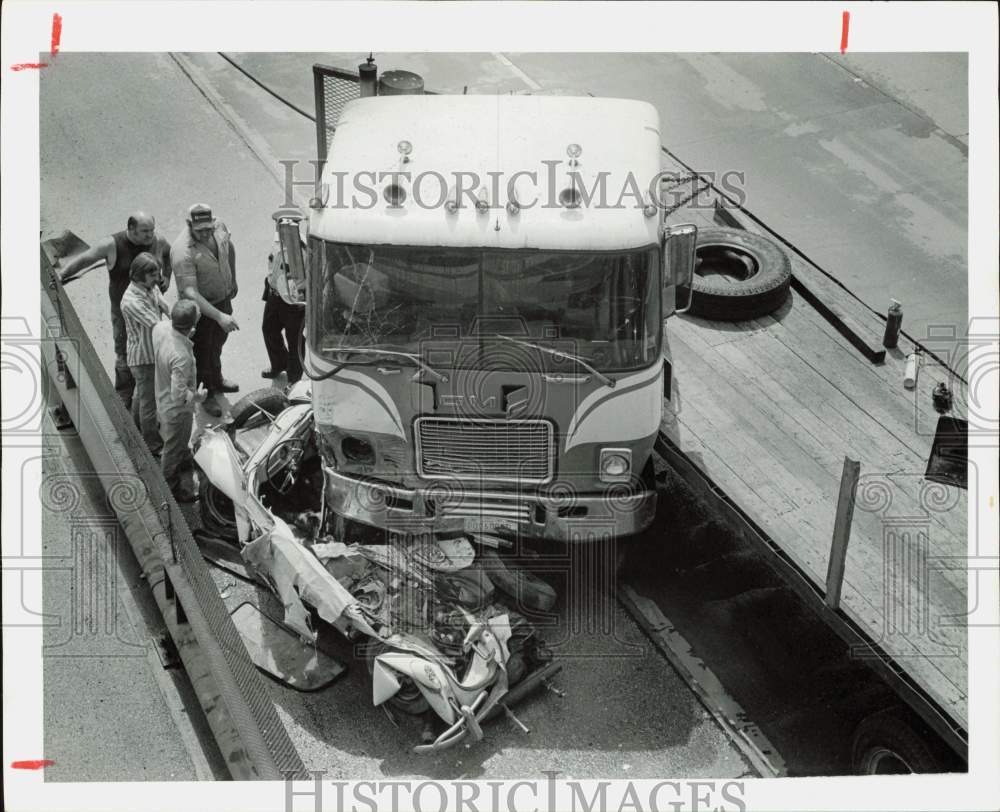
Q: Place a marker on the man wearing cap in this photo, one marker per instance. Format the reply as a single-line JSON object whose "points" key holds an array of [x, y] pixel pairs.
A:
{"points": [[118, 251], [285, 305], [204, 262], [142, 308], [176, 396]]}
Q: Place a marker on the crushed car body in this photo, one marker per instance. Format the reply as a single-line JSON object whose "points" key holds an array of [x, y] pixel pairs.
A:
{"points": [[438, 639]]}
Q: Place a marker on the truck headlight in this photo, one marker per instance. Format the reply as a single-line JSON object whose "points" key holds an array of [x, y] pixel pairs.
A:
{"points": [[615, 464], [358, 450]]}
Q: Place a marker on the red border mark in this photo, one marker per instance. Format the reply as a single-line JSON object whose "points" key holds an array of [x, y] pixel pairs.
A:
{"points": [[56, 32], [53, 49], [843, 31], [36, 764]]}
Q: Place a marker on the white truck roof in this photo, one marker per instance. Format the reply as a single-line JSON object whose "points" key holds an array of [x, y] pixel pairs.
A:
{"points": [[504, 135]]}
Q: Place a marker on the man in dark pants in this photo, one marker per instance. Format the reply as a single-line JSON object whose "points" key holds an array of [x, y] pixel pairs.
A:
{"points": [[118, 251], [284, 308], [204, 262]]}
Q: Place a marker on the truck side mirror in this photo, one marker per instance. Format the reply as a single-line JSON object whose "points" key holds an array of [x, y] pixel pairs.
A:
{"points": [[291, 250], [678, 250]]}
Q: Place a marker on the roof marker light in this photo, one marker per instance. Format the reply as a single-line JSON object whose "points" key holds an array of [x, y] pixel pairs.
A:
{"points": [[405, 148], [395, 195], [513, 207], [482, 202], [650, 209], [574, 151], [570, 197]]}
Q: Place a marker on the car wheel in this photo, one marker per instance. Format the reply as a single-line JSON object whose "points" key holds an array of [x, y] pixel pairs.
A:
{"points": [[218, 516], [246, 412], [408, 698]]}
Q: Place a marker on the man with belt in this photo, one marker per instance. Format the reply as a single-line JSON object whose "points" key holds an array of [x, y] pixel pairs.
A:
{"points": [[204, 262], [176, 396], [118, 251], [285, 305]]}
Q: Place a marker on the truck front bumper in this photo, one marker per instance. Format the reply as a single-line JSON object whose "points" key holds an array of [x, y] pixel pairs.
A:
{"points": [[569, 518]]}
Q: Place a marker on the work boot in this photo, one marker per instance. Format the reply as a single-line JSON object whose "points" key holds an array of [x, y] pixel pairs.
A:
{"points": [[228, 386], [212, 406]]}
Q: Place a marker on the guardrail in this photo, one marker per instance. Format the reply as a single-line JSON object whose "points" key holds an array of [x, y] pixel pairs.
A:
{"points": [[232, 694]]}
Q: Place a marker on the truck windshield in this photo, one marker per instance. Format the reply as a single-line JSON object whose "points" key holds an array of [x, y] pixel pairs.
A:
{"points": [[454, 306]]}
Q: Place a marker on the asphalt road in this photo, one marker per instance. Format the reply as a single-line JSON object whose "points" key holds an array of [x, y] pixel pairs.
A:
{"points": [[130, 131]]}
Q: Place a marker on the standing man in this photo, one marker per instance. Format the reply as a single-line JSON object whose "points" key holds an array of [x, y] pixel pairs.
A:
{"points": [[204, 261], [176, 396], [142, 306], [118, 251], [285, 306]]}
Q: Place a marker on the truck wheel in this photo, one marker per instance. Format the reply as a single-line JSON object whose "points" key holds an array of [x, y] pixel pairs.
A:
{"points": [[738, 275], [247, 410], [218, 517], [885, 743]]}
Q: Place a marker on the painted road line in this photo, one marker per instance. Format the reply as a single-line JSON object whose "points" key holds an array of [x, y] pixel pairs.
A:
{"points": [[727, 712], [520, 74]]}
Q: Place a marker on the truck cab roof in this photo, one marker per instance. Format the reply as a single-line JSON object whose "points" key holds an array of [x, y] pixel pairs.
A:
{"points": [[499, 149]]}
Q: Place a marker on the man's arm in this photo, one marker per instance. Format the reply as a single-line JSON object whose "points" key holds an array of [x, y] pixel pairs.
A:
{"points": [[232, 267], [166, 266], [138, 313], [180, 391], [102, 250], [161, 303], [187, 288]]}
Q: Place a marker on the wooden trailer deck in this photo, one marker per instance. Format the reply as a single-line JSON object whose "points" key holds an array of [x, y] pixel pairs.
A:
{"points": [[769, 408]]}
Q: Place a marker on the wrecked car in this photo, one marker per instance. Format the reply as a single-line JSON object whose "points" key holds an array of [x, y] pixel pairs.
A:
{"points": [[439, 640]]}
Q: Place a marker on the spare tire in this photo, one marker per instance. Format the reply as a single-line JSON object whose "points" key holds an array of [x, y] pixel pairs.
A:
{"points": [[271, 400], [738, 275]]}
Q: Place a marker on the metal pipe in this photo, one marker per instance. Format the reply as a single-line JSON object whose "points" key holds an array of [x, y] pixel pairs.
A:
{"points": [[368, 73]]}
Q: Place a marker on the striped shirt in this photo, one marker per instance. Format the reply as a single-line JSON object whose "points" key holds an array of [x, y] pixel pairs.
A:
{"points": [[141, 311]]}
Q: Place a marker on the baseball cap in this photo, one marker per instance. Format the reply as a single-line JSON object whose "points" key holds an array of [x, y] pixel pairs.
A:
{"points": [[201, 217]]}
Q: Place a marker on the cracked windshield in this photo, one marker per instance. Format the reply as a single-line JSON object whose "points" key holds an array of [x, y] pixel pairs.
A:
{"points": [[490, 309]]}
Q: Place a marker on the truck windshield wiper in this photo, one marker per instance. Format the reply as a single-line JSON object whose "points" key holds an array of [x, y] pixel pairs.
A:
{"points": [[609, 382], [416, 359]]}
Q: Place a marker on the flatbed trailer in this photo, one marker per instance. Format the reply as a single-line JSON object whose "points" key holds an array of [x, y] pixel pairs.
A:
{"points": [[761, 416]]}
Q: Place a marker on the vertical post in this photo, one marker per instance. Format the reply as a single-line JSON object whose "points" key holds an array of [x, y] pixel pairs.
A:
{"points": [[841, 531], [319, 98]]}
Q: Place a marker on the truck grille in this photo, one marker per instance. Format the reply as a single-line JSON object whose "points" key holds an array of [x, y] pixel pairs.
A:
{"points": [[497, 450]]}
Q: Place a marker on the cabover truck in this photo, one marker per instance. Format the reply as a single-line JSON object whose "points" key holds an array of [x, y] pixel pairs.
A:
{"points": [[488, 278]]}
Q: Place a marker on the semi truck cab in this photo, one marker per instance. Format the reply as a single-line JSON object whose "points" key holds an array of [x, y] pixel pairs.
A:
{"points": [[488, 279]]}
